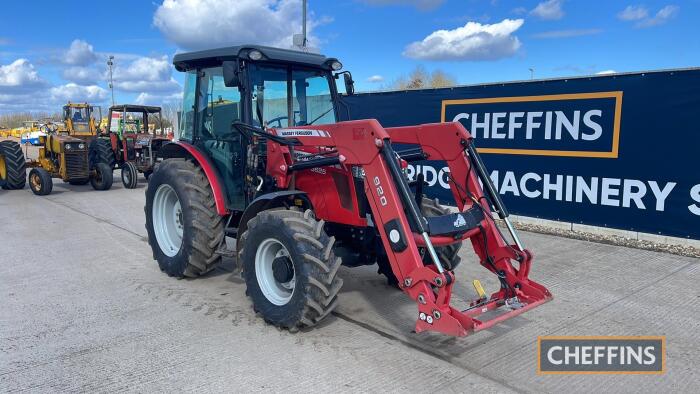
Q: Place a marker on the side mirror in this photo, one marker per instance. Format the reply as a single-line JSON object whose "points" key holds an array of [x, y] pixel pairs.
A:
{"points": [[349, 84], [230, 71]]}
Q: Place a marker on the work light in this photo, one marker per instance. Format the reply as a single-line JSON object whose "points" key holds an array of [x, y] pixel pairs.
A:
{"points": [[255, 55]]}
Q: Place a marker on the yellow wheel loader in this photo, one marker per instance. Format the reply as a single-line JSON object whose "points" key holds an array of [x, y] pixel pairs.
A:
{"points": [[66, 157]]}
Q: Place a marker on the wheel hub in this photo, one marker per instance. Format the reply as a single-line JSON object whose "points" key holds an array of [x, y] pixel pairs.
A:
{"points": [[274, 270], [168, 223], [282, 269]]}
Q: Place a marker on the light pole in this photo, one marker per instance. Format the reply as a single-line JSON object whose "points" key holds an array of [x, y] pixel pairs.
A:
{"points": [[110, 63], [532, 73], [303, 22]]}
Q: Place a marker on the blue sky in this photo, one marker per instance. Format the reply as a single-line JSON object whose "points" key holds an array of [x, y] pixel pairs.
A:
{"points": [[51, 52]]}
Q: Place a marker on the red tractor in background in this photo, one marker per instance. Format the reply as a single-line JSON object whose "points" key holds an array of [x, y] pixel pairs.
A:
{"points": [[262, 157], [130, 141]]}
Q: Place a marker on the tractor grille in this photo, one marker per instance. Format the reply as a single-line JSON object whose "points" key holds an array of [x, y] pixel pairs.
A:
{"points": [[77, 165]]}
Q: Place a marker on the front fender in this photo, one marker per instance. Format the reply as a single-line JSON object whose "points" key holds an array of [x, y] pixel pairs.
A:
{"points": [[267, 201]]}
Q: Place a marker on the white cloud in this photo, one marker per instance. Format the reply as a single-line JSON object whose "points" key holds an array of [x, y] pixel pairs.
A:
{"points": [[375, 79], [664, 15], [80, 53], [200, 24], [19, 75], [473, 41], [549, 10], [23, 89], [606, 72], [155, 99], [640, 15], [420, 4], [567, 33], [83, 75], [146, 74], [519, 11], [633, 13], [77, 93]]}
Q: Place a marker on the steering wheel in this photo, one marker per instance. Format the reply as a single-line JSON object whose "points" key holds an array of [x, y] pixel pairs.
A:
{"points": [[279, 120]]}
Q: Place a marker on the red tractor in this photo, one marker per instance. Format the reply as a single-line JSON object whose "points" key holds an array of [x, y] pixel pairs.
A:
{"points": [[130, 141], [262, 157]]}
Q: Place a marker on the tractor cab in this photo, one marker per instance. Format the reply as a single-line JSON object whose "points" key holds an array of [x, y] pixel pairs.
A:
{"points": [[81, 120], [134, 120], [256, 86]]}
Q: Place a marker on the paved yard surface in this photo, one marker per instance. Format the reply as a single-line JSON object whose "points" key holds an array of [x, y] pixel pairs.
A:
{"points": [[85, 308]]}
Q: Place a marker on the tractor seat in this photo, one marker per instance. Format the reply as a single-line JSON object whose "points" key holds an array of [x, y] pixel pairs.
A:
{"points": [[455, 223]]}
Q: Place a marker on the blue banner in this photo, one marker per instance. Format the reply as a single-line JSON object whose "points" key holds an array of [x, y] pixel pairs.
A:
{"points": [[616, 151]]}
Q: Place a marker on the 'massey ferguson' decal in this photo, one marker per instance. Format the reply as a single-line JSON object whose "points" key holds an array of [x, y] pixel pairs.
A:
{"points": [[576, 125], [301, 133]]}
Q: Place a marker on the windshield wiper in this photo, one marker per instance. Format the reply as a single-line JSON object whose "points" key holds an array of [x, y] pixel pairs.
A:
{"points": [[320, 116]]}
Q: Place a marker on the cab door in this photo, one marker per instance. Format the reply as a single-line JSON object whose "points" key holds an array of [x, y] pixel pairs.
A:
{"points": [[217, 107]]}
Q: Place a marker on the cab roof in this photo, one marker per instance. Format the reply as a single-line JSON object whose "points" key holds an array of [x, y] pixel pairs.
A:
{"points": [[134, 108], [214, 57]]}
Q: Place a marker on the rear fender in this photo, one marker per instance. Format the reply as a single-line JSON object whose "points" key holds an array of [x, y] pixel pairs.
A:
{"points": [[181, 149]]}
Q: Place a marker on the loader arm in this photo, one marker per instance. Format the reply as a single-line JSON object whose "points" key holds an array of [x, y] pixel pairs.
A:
{"points": [[402, 227]]}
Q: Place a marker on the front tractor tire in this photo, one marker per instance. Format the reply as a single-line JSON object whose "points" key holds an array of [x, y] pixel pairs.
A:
{"points": [[13, 168], [130, 175], [103, 177], [40, 182], [289, 268], [184, 229]]}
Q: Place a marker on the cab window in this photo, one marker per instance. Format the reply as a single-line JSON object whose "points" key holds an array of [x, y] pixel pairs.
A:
{"points": [[186, 123], [218, 105]]}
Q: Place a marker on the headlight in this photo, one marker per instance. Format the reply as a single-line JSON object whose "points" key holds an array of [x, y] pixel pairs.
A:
{"points": [[336, 65], [255, 55], [81, 146], [68, 147]]}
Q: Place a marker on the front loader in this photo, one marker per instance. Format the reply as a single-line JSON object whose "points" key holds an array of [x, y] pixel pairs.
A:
{"points": [[262, 158]]}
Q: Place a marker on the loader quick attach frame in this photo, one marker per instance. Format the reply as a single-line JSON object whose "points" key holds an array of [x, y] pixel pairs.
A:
{"points": [[403, 229]]}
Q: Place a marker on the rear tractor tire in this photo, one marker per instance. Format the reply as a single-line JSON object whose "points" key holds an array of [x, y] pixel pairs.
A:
{"points": [[448, 255], [40, 182], [130, 175], [13, 168], [289, 267], [101, 152], [184, 229], [103, 178]]}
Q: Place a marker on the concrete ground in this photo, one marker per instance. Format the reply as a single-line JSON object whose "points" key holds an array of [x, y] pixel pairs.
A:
{"points": [[85, 308]]}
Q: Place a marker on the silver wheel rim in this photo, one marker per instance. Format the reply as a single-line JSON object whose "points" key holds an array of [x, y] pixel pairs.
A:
{"points": [[127, 177], [275, 292], [167, 220]]}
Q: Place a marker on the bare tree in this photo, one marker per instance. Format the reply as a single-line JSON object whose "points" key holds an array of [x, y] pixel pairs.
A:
{"points": [[15, 119], [440, 79], [419, 78], [170, 111]]}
